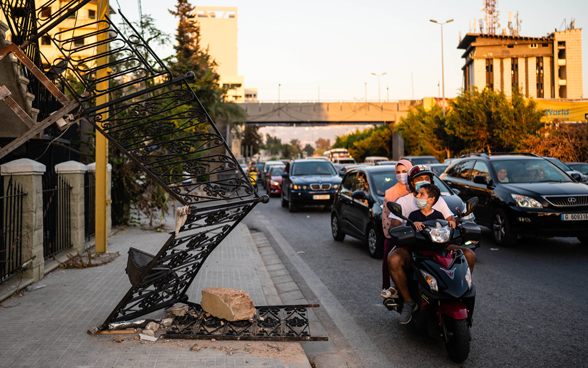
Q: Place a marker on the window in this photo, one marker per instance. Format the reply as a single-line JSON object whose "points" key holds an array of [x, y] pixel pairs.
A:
{"points": [[510, 46], [46, 12], [545, 45], [533, 45], [461, 170], [348, 184], [79, 41], [480, 168], [92, 14], [361, 183], [540, 77], [72, 15], [46, 40], [514, 73], [490, 74]]}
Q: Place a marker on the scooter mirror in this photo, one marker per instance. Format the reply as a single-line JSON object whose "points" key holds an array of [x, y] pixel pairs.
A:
{"points": [[395, 208], [470, 205]]}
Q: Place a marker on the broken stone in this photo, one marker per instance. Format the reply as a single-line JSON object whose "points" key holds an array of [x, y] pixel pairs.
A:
{"points": [[137, 337], [152, 326], [148, 332], [167, 322], [229, 304], [119, 338], [213, 340], [179, 309], [147, 337], [195, 348]]}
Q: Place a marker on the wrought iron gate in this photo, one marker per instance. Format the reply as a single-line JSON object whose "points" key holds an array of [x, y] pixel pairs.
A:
{"points": [[10, 229], [56, 214]]}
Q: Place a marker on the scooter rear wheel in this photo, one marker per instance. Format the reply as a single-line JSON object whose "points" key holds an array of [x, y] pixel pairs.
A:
{"points": [[458, 344]]}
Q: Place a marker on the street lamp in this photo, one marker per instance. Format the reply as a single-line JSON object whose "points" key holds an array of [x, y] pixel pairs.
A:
{"points": [[378, 75], [442, 66]]}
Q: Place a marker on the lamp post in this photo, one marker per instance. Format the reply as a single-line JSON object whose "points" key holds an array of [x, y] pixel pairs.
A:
{"points": [[442, 66], [379, 75]]}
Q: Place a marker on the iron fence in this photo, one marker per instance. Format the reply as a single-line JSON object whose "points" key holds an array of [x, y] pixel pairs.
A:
{"points": [[89, 204], [10, 229], [56, 214]]}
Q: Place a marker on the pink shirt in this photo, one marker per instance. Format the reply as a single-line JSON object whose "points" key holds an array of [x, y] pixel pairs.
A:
{"points": [[392, 194]]}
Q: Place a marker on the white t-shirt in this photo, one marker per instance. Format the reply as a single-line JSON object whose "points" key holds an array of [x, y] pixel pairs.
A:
{"points": [[408, 206]]}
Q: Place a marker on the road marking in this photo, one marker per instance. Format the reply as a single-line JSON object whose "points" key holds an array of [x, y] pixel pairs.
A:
{"points": [[368, 353]]}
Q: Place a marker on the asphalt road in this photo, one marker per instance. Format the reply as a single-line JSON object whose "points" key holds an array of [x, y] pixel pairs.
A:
{"points": [[531, 306]]}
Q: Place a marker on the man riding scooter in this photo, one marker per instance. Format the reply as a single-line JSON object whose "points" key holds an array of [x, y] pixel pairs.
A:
{"points": [[399, 259]]}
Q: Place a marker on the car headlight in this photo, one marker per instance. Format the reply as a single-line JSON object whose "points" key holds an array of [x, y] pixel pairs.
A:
{"points": [[526, 202], [468, 277], [275, 183], [335, 186], [430, 280], [296, 187], [440, 234]]}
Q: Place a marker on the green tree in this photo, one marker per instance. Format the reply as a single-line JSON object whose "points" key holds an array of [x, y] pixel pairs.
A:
{"points": [[273, 144], [323, 144], [374, 141], [308, 149], [251, 137], [423, 132]]}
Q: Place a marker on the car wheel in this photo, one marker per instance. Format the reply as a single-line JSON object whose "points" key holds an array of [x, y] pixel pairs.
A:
{"points": [[291, 206], [375, 242], [501, 231], [284, 201], [583, 239], [338, 235]]}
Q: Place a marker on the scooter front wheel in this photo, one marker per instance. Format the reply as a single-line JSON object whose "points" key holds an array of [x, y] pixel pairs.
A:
{"points": [[458, 336]]}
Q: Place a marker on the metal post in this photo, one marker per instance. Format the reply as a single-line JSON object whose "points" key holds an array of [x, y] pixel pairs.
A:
{"points": [[101, 142], [442, 63]]}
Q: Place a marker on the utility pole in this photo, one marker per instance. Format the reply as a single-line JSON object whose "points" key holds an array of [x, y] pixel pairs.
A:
{"points": [[442, 66], [279, 88], [365, 98], [412, 84], [101, 142], [379, 75], [319, 94]]}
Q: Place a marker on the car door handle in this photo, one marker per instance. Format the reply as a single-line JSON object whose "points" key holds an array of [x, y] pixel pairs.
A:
{"points": [[467, 187]]}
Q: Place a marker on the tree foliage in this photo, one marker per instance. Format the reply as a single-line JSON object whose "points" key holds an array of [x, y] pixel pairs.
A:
{"points": [[308, 149], [323, 144], [423, 132], [369, 142], [252, 138], [565, 141]]}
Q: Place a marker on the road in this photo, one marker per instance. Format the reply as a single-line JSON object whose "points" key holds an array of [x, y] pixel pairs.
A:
{"points": [[531, 306]]}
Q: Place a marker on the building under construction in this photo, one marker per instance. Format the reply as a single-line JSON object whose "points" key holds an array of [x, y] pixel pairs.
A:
{"points": [[540, 67]]}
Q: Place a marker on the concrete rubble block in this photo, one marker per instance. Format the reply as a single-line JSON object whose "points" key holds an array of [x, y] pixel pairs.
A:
{"points": [[153, 326], [148, 332], [229, 304], [166, 322], [179, 309]]}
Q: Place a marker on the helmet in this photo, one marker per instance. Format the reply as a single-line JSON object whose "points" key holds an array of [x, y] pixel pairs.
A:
{"points": [[416, 171]]}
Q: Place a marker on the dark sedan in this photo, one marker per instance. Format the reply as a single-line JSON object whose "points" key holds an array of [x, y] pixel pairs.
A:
{"points": [[309, 182], [357, 210]]}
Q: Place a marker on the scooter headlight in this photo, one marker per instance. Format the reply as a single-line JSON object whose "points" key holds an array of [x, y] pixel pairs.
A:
{"points": [[440, 234], [430, 280], [468, 277]]}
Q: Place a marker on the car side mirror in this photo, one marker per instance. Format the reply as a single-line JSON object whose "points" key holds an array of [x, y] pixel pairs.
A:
{"points": [[480, 179], [456, 191], [284, 176], [576, 176], [341, 174], [359, 195]]}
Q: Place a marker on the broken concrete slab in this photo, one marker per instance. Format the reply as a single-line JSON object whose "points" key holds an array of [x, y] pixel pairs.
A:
{"points": [[227, 303]]}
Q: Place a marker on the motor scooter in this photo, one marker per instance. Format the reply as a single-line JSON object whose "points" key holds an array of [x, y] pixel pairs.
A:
{"points": [[440, 281]]}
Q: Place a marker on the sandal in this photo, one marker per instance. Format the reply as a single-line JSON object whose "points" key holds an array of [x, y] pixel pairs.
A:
{"points": [[392, 292]]}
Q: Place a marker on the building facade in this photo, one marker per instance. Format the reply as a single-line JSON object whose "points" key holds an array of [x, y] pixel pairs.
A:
{"points": [[540, 67], [218, 31]]}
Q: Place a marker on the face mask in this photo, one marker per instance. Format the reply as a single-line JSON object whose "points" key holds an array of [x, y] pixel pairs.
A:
{"points": [[402, 178], [418, 185], [420, 203]]}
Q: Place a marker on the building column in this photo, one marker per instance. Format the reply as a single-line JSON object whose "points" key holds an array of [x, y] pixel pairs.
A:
{"points": [[479, 74], [548, 83], [507, 77], [92, 168], [532, 77], [522, 74], [29, 174], [73, 173], [496, 73]]}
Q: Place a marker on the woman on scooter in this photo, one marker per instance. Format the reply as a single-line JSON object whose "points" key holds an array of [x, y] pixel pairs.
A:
{"points": [[399, 190]]}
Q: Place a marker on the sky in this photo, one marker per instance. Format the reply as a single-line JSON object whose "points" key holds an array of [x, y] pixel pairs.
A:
{"points": [[336, 45]]}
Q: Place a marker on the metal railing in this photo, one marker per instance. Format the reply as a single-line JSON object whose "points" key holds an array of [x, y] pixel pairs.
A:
{"points": [[10, 229], [56, 214], [89, 205]]}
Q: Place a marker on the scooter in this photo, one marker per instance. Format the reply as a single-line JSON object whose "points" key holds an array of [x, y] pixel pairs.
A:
{"points": [[440, 281]]}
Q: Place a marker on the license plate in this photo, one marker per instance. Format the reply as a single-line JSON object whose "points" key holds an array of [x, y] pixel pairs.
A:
{"points": [[321, 196], [574, 217]]}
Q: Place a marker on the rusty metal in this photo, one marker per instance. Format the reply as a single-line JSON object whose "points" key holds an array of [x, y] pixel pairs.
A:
{"points": [[20, 113], [270, 323]]}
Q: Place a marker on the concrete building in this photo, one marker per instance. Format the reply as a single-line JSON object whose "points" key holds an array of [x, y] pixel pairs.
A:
{"points": [[218, 31], [540, 67]]}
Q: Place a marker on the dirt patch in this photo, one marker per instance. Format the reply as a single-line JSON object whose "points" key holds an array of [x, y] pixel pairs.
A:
{"points": [[88, 259]]}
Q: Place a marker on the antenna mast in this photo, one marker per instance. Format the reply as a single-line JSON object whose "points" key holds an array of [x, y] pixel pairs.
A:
{"points": [[491, 16]]}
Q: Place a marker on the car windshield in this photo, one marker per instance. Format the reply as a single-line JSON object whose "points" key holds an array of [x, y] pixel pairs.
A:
{"points": [[438, 169], [559, 164], [386, 180], [528, 171], [581, 167], [313, 168], [424, 161], [269, 165], [259, 166], [277, 171]]}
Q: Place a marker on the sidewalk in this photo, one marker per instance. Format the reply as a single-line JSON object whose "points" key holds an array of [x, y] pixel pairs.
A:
{"points": [[47, 327]]}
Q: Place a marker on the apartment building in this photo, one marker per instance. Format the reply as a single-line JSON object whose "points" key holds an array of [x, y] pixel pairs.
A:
{"points": [[540, 67]]}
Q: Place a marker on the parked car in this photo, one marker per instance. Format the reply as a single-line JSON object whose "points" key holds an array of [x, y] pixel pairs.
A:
{"points": [[449, 161], [245, 169], [375, 159], [344, 160], [386, 163], [576, 175], [344, 169], [421, 160], [357, 209], [579, 166], [259, 167], [438, 169], [521, 195], [309, 182], [274, 180], [266, 168]]}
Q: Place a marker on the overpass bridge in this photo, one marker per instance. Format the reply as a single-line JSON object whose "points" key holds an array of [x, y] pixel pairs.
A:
{"points": [[275, 113], [299, 114]]}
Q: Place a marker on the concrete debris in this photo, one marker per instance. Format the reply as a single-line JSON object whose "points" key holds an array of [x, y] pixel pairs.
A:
{"points": [[147, 337], [35, 287], [152, 326], [119, 338], [195, 348], [227, 303], [179, 309], [148, 332], [166, 322]]}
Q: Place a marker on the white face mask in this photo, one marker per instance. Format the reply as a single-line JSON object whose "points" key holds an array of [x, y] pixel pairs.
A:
{"points": [[420, 203], [402, 178]]}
